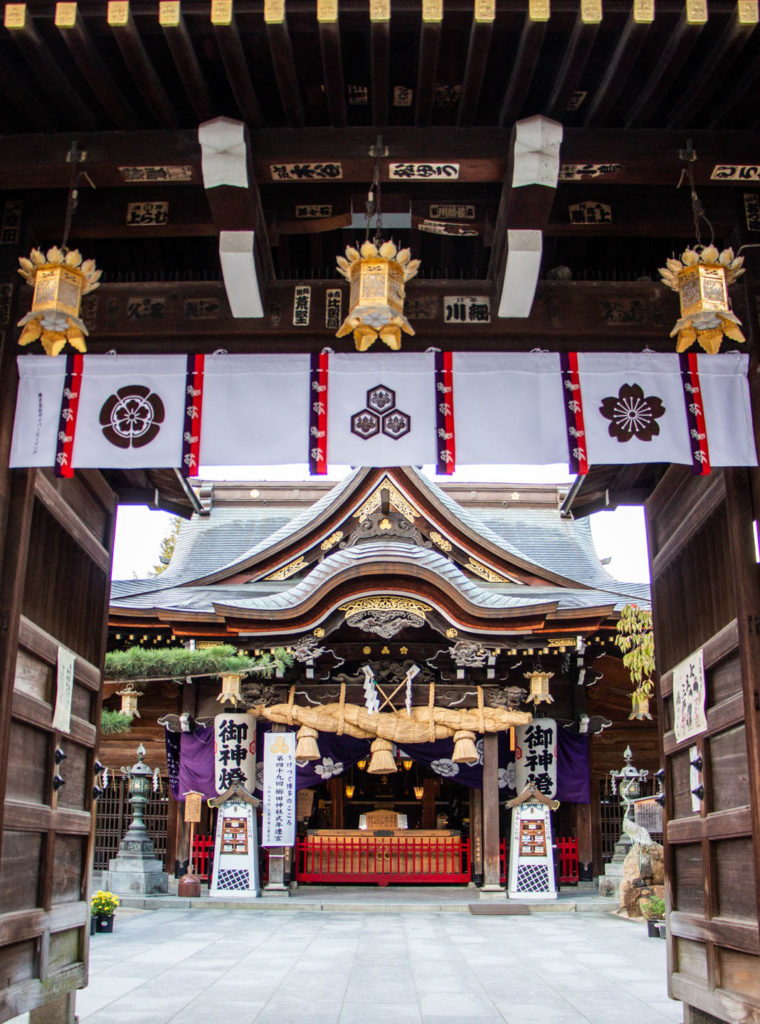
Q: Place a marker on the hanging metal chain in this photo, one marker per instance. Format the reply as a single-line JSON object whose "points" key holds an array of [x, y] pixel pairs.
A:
{"points": [[698, 214]]}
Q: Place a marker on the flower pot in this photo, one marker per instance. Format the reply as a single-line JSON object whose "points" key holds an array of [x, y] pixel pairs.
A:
{"points": [[101, 923]]}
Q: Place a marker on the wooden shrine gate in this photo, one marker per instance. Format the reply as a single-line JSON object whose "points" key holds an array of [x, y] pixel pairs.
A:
{"points": [[706, 594]]}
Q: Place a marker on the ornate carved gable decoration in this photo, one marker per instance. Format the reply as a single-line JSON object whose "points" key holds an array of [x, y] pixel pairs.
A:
{"points": [[394, 497], [385, 616], [486, 573], [288, 570]]}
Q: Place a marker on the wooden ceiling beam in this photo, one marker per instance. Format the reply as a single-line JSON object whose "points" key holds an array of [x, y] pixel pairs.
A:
{"points": [[332, 60], [26, 103], [520, 74], [668, 65], [577, 52], [621, 64], [718, 65], [46, 72], [478, 49], [235, 63], [84, 53], [140, 67], [281, 51], [725, 102], [427, 66], [380, 32], [185, 59]]}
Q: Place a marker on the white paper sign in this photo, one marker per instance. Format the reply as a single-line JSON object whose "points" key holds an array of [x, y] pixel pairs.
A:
{"points": [[234, 752], [279, 817], [64, 690], [689, 697], [536, 756]]}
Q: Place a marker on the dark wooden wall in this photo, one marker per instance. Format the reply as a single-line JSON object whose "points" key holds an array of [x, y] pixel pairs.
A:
{"points": [[706, 594], [54, 584]]}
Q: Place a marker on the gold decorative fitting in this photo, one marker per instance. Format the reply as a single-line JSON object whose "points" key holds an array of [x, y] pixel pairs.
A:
{"points": [[65, 15], [327, 10], [485, 10], [60, 279], [274, 12], [539, 10], [643, 11], [591, 11], [440, 541], [366, 650], [169, 14], [696, 12], [15, 16], [432, 10], [490, 575], [379, 10], [539, 686], [451, 633], [319, 632], [377, 274], [396, 498], [221, 12], [383, 603], [747, 12], [701, 278], [331, 541], [288, 570], [118, 13]]}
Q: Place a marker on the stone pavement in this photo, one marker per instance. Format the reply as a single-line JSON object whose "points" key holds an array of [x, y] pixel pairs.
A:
{"points": [[178, 966]]}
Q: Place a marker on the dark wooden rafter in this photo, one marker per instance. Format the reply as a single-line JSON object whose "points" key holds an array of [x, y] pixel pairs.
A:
{"points": [[577, 52], [332, 60], [744, 84], [74, 32], [666, 69], [25, 103], [621, 64], [719, 62], [46, 72], [380, 45], [478, 49], [520, 73], [185, 58], [139, 64], [282, 59], [427, 68], [236, 65]]}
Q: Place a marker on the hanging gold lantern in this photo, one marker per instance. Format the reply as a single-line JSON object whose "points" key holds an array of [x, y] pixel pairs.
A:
{"points": [[418, 792], [376, 305], [129, 698], [701, 278], [230, 687], [539, 686], [60, 279], [306, 744], [350, 790]]}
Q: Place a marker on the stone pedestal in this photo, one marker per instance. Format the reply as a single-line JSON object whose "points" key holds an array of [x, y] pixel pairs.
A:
{"points": [[609, 882], [135, 868]]}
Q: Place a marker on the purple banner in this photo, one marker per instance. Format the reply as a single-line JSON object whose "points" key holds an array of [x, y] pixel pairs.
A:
{"points": [[573, 783], [196, 762]]}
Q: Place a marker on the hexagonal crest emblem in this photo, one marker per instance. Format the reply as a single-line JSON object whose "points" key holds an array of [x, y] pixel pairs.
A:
{"points": [[365, 424], [396, 424], [381, 399]]}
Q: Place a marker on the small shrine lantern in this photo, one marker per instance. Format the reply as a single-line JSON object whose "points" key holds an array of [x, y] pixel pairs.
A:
{"points": [[539, 686], [60, 279], [376, 305], [230, 688], [701, 278], [129, 698]]}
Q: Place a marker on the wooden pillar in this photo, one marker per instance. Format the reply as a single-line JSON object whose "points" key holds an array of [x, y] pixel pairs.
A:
{"points": [[584, 830], [491, 834], [430, 788], [476, 835], [277, 854]]}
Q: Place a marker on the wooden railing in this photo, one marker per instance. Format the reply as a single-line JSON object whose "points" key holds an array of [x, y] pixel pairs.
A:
{"points": [[383, 859]]}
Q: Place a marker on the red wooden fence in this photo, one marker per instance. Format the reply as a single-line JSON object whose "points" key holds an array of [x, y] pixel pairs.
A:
{"points": [[566, 860], [383, 860]]}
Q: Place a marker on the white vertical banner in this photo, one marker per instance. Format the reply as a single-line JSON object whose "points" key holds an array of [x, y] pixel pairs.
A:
{"points": [[234, 751], [536, 756], [64, 690], [278, 826]]}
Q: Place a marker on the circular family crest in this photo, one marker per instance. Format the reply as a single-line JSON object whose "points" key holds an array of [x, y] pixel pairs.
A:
{"points": [[132, 417]]}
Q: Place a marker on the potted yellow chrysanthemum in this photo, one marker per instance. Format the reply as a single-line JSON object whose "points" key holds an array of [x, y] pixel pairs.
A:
{"points": [[102, 908]]}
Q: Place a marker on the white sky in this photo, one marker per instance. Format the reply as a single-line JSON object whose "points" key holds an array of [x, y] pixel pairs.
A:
{"points": [[619, 535]]}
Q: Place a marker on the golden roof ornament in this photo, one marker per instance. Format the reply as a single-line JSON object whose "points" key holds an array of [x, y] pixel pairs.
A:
{"points": [[701, 277], [377, 274], [60, 278]]}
